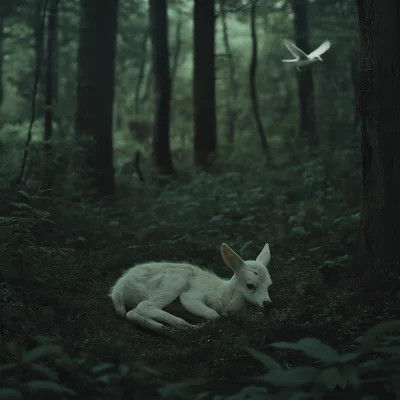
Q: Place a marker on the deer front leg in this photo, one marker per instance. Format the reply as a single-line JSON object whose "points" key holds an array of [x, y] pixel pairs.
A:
{"points": [[148, 314], [198, 308]]}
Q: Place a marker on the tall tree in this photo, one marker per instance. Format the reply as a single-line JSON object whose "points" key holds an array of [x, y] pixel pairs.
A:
{"points": [[49, 89], [305, 83], [177, 46], [231, 114], [205, 124], [253, 73], [141, 70], [379, 105], [95, 89], [2, 19], [158, 24]]}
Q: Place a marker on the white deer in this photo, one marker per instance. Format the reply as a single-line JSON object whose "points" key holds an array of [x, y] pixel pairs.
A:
{"points": [[146, 289]]}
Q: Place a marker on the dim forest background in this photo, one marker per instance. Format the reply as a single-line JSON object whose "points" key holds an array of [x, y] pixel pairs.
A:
{"points": [[138, 130]]}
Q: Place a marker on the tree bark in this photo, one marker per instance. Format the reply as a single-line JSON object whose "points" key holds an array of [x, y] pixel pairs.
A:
{"points": [[39, 39], [49, 91], [2, 18], [355, 80], [95, 89], [379, 102], [177, 49], [232, 96], [142, 66], [205, 123], [253, 73], [305, 83], [158, 23], [148, 84]]}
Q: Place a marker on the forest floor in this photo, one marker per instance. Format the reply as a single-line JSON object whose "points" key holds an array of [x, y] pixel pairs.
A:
{"points": [[309, 219]]}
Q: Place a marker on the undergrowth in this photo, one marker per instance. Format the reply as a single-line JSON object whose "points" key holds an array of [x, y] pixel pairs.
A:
{"points": [[60, 255]]}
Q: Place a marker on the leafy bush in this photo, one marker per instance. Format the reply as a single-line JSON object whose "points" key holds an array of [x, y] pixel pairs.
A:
{"points": [[369, 371]]}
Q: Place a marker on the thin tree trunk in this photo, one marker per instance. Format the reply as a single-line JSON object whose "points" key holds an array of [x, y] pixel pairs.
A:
{"points": [[55, 52], [158, 23], [355, 79], [148, 84], [49, 91], [95, 90], [142, 66], [205, 123], [2, 18], [253, 90], [39, 39], [232, 96], [305, 81], [379, 102], [177, 49]]}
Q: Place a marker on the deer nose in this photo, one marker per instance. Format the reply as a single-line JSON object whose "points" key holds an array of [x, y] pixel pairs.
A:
{"points": [[267, 303]]}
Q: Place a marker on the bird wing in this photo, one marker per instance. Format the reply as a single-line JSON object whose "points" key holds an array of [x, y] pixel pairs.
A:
{"points": [[294, 49], [321, 49]]}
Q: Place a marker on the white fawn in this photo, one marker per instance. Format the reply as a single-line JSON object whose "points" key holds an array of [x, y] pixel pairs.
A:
{"points": [[146, 289]]}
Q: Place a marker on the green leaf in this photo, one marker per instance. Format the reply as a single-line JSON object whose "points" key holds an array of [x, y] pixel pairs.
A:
{"points": [[314, 348], [245, 246], [6, 367], [40, 352], [369, 365], [347, 357], [291, 377], [250, 393], [330, 378], [102, 367], [44, 339], [267, 361], [45, 371], [393, 350], [351, 373], [368, 340], [47, 386], [182, 389], [24, 194], [10, 393]]}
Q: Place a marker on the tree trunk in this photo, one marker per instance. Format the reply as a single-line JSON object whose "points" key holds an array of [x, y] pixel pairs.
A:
{"points": [[38, 34], [355, 80], [177, 49], [95, 89], [253, 73], [379, 105], [49, 92], [55, 52], [205, 123], [232, 96], [158, 23], [2, 18], [148, 84], [305, 82], [142, 66]]}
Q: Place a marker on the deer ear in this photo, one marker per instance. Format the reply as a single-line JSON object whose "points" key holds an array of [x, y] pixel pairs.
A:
{"points": [[265, 256], [231, 259]]}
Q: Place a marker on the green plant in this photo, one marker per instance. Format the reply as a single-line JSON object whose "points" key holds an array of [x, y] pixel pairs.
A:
{"points": [[18, 232], [370, 371], [372, 367]]}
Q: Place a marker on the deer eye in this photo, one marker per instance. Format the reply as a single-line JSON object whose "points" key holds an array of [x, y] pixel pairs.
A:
{"points": [[250, 286]]}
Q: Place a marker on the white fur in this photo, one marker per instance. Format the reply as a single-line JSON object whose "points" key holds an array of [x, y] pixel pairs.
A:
{"points": [[148, 288]]}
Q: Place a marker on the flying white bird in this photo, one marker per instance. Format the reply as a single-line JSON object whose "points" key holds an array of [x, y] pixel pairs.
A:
{"points": [[302, 59]]}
